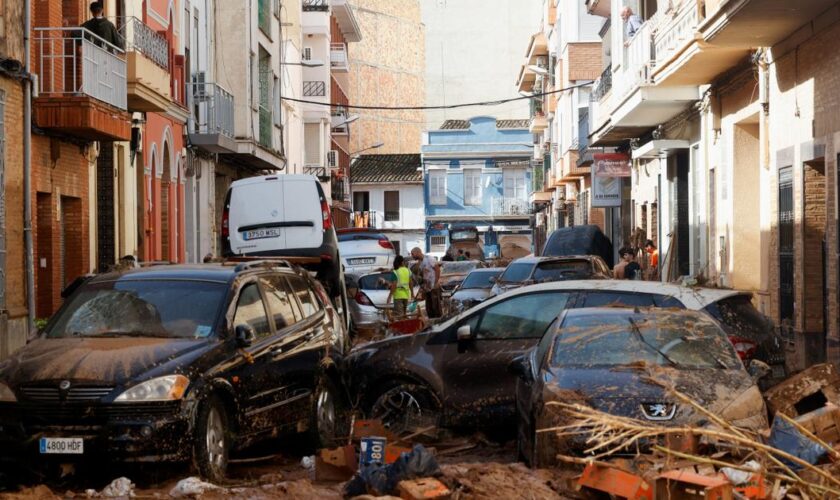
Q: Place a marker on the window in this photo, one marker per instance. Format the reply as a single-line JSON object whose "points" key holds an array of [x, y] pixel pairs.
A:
{"points": [[312, 144], [618, 299], [279, 302], [515, 183], [265, 16], [250, 310], [392, 205], [308, 302], [361, 201], [525, 316], [437, 187], [472, 186]]}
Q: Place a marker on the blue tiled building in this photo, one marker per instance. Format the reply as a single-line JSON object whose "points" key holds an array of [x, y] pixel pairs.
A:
{"points": [[478, 172]]}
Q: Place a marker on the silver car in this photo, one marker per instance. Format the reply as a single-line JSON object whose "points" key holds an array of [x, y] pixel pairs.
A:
{"points": [[364, 250], [368, 297], [476, 288]]}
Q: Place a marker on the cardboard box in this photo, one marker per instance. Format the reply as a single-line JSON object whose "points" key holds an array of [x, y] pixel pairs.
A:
{"points": [[823, 423]]}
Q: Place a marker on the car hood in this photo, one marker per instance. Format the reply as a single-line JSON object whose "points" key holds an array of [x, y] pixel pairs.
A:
{"points": [[112, 360], [730, 394]]}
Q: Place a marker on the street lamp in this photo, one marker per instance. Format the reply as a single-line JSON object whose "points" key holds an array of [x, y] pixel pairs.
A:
{"points": [[312, 63], [537, 69], [374, 146]]}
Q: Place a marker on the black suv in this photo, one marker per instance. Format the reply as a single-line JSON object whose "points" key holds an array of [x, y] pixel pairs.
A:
{"points": [[176, 363]]}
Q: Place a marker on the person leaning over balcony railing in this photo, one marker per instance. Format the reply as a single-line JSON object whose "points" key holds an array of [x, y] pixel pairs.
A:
{"points": [[102, 27], [632, 23]]}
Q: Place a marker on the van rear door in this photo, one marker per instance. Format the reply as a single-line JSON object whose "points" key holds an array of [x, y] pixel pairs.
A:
{"points": [[257, 217], [302, 209]]}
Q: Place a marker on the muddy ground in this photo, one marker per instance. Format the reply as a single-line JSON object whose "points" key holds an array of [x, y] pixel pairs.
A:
{"points": [[488, 471]]}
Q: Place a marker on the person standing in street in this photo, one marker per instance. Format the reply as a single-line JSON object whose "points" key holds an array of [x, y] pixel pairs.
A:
{"points": [[430, 272], [401, 289], [461, 255], [653, 257], [102, 27], [628, 268]]}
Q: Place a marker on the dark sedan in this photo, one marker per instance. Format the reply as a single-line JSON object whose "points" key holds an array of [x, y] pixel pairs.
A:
{"points": [[530, 270], [175, 363], [475, 289], [603, 358]]}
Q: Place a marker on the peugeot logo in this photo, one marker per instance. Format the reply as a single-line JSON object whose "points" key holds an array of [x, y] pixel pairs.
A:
{"points": [[659, 411], [64, 385]]}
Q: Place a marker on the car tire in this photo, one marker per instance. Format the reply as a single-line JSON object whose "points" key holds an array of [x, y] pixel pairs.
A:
{"points": [[400, 404], [212, 440], [543, 446], [328, 417]]}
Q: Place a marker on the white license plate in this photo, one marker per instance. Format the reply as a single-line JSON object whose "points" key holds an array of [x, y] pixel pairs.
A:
{"points": [[366, 260], [258, 234], [62, 446]]}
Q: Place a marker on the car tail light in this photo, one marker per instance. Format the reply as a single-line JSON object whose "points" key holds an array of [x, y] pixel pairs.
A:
{"points": [[386, 244], [744, 347], [226, 223], [325, 213], [362, 299]]}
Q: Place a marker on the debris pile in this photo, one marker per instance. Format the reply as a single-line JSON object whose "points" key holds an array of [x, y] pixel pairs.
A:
{"points": [[797, 457]]}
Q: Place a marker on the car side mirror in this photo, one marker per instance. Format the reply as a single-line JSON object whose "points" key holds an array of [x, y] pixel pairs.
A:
{"points": [[464, 334], [521, 367], [245, 335], [758, 369]]}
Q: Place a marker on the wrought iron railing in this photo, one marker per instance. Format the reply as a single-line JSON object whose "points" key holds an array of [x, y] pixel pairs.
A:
{"points": [[314, 89], [74, 61], [538, 178], [316, 170], [583, 129], [140, 37], [508, 206], [265, 138], [316, 5], [603, 85], [340, 189], [212, 109], [365, 219]]}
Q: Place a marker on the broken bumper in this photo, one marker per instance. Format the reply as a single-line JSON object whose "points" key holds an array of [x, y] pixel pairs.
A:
{"points": [[128, 433]]}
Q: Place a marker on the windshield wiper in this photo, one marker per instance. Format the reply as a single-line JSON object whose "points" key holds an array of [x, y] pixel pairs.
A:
{"points": [[118, 334], [652, 347]]}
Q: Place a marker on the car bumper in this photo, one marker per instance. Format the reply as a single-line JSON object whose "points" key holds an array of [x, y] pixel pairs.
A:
{"points": [[130, 433], [365, 316]]}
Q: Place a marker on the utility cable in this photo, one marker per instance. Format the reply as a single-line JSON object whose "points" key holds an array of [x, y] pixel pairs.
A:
{"points": [[448, 106]]}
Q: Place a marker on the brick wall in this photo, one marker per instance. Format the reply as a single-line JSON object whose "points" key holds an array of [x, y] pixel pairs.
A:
{"points": [[583, 61], [814, 219], [15, 277]]}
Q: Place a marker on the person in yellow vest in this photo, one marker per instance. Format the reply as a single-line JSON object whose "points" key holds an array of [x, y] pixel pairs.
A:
{"points": [[401, 289]]}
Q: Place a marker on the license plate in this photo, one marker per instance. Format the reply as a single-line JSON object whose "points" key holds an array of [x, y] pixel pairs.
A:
{"points": [[62, 446], [366, 260], [258, 234]]}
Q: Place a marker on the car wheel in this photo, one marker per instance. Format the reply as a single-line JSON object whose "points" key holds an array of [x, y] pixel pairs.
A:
{"points": [[327, 415], [212, 440], [406, 406]]}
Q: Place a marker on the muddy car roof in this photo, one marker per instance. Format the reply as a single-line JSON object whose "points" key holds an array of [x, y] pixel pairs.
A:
{"points": [[546, 258], [205, 272]]}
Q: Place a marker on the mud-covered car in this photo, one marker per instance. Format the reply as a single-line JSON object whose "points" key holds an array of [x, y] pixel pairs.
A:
{"points": [[476, 288], [175, 363], [607, 358], [530, 270], [453, 273]]}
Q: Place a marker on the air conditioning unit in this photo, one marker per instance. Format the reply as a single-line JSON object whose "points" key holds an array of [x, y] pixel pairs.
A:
{"points": [[332, 158], [307, 54]]}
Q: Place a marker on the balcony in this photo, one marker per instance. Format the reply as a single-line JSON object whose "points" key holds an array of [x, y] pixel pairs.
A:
{"points": [[316, 5], [147, 58], [340, 190], [365, 219], [211, 123], [82, 85], [338, 58], [322, 173], [508, 206], [598, 7], [315, 19], [539, 122]]}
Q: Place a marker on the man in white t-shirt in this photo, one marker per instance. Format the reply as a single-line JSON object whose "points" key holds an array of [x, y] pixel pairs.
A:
{"points": [[430, 272]]}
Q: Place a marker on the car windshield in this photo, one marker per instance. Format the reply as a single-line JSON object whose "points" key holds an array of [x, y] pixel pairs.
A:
{"points": [[378, 281], [682, 340], [141, 308], [458, 267], [480, 279], [559, 270], [361, 236], [517, 272]]}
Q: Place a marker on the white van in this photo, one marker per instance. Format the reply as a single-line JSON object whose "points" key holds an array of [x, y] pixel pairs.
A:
{"points": [[282, 215]]}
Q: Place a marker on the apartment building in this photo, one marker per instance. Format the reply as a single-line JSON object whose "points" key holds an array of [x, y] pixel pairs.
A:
{"points": [[562, 58], [732, 132]]}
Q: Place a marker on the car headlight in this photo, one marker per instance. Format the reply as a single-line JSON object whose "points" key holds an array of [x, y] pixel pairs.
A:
{"points": [[169, 388], [6, 394]]}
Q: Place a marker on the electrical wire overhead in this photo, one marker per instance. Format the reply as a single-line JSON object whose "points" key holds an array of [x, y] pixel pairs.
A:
{"points": [[448, 106]]}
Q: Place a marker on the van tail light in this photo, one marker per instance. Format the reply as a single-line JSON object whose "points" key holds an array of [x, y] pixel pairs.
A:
{"points": [[325, 213], [362, 299], [386, 244], [744, 347], [226, 223]]}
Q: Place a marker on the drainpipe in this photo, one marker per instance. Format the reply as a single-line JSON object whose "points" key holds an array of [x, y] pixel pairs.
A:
{"points": [[27, 167]]}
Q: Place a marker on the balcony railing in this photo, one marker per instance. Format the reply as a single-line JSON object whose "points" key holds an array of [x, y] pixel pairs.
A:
{"points": [[508, 206], [638, 61], [314, 89], [212, 109], [674, 33], [139, 37], [339, 189], [537, 178], [338, 56], [316, 5], [265, 139], [74, 61], [603, 85], [365, 219], [316, 170], [583, 129]]}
